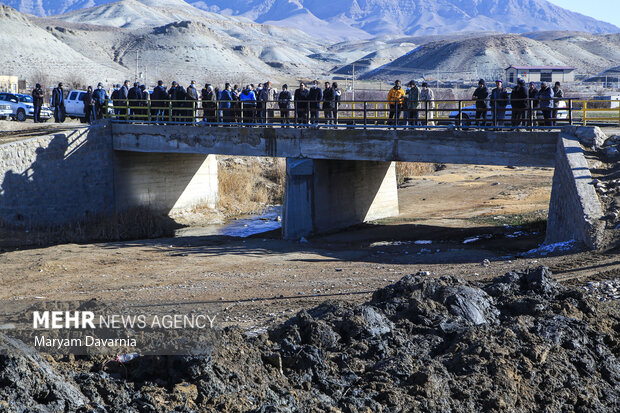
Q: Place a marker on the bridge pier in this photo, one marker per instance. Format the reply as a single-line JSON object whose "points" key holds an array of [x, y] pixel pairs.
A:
{"points": [[327, 195], [165, 182]]}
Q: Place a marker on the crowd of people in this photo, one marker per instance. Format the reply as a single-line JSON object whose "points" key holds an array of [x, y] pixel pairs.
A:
{"points": [[524, 103], [251, 104], [258, 104]]}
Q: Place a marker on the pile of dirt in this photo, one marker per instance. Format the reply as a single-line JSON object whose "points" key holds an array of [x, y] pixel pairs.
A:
{"points": [[519, 343]]}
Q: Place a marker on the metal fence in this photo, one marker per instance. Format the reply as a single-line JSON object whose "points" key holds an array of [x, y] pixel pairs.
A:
{"points": [[526, 113]]}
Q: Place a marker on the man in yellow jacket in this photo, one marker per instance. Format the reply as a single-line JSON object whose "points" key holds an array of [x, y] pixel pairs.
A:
{"points": [[396, 97]]}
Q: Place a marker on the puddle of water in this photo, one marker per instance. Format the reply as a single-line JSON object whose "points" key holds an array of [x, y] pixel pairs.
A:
{"points": [[241, 227]]}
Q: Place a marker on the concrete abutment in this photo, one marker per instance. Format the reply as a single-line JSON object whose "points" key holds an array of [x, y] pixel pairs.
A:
{"points": [[165, 183], [327, 195]]}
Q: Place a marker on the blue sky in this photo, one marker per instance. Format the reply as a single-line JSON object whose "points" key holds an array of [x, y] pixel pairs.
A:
{"points": [[606, 10]]}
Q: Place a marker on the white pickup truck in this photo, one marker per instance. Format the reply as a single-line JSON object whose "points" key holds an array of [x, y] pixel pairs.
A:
{"points": [[74, 105]]}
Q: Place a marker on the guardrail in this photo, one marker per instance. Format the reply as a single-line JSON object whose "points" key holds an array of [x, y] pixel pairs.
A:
{"points": [[367, 114]]}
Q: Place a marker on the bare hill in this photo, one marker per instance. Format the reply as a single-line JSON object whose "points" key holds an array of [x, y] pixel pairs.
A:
{"points": [[487, 56], [216, 50], [29, 49]]}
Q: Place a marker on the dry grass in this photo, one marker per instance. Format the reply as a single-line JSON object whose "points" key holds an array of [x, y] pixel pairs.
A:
{"points": [[408, 169], [248, 185]]}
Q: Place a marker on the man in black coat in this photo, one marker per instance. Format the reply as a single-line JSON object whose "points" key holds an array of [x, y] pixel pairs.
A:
{"points": [[315, 96], [209, 103], [37, 101], [89, 105], [114, 97], [58, 102], [518, 101], [532, 92], [480, 96], [177, 95], [329, 102], [159, 100], [284, 103], [302, 95], [135, 99]]}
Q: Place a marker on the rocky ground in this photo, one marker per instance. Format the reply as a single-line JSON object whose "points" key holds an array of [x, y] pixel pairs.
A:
{"points": [[519, 343], [602, 157]]}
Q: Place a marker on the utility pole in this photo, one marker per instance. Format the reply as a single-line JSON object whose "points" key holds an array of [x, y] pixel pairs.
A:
{"points": [[136, 78], [353, 83]]}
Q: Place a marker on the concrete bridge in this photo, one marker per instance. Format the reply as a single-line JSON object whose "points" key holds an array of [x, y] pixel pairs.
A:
{"points": [[334, 177]]}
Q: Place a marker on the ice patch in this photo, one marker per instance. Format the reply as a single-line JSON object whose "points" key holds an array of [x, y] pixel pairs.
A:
{"points": [[550, 248], [472, 239], [423, 242]]}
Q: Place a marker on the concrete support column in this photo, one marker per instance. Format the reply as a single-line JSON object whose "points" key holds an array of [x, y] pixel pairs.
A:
{"points": [[327, 195], [165, 182]]}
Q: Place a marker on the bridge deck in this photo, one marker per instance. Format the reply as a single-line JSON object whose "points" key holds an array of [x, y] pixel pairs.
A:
{"points": [[531, 148]]}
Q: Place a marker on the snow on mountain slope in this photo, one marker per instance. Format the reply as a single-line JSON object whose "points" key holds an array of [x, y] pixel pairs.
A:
{"points": [[358, 19]]}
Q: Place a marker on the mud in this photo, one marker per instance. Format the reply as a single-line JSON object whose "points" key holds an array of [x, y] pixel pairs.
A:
{"points": [[519, 343]]}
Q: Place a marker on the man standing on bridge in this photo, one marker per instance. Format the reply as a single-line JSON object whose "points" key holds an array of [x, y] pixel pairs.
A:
{"points": [[301, 104], [192, 100], [480, 96], [315, 96], [37, 100], [545, 100], [58, 103], [518, 101], [499, 101], [395, 98], [100, 97], [413, 103]]}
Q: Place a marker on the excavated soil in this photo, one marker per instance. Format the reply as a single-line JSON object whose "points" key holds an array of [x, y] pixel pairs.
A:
{"points": [[519, 343]]}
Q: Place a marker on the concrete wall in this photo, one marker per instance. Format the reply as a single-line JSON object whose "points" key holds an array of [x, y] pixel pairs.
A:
{"points": [[575, 212], [56, 179], [438, 146], [326, 195], [73, 175], [165, 182]]}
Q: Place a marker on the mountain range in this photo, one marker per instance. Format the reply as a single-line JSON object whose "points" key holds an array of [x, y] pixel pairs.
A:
{"points": [[359, 19], [173, 39]]}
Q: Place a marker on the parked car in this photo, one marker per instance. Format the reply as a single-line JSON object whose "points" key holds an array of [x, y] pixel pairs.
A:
{"points": [[74, 105], [5, 111], [22, 106], [469, 113]]}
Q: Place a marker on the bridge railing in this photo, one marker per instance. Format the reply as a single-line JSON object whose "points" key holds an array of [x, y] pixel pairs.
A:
{"points": [[526, 113]]}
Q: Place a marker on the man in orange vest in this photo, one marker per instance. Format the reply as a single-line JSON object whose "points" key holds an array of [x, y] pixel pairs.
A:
{"points": [[395, 98]]}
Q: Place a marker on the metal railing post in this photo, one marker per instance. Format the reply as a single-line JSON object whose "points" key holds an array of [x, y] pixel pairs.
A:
{"points": [[459, 122], [585, 113], [365, 114], [570, 111]]}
